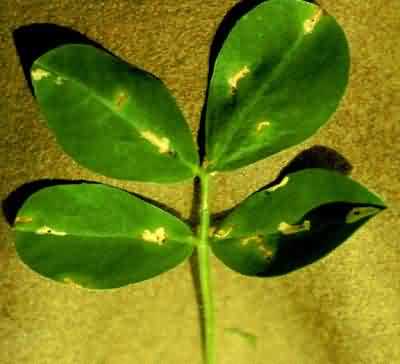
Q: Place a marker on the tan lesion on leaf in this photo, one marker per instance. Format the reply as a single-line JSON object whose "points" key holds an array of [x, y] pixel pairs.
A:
{"points": [[233, 81], [39, 73], [23, 220], [284, 182], [311, 22], [358, 213], [121, 99], [162, 143], [158, 236], [287, 229], [223, 233], [45, 230]]}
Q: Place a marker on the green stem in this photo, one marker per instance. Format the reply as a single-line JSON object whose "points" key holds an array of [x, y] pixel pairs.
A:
{"points": [[204, 272]]}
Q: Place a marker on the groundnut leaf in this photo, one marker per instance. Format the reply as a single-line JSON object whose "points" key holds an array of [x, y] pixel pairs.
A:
{"points": [[97, 236], [111, 117], [277, 79], [294, 223]]}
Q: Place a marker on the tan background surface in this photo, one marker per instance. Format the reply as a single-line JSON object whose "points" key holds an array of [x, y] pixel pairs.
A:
{"points": [[345, 309]]}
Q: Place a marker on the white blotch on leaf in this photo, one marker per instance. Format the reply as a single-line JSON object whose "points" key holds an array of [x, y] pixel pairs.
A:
{"points": [[38, 74], [287, 229], [161, 143], [279, 185], [311, 22], [233, 81], [360, 212], [158, 236], [45, 230]]}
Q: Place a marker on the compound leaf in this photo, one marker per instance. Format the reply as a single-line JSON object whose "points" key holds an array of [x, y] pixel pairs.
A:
{"points": [[97, 236], [294, 223]]}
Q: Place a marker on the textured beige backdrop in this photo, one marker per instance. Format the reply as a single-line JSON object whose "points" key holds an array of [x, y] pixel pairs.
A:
{"points": [[345, 309]]}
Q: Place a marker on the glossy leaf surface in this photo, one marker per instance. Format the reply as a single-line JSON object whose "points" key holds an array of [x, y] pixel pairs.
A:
{"points": [[279, 76], [111, 117], [294, 223], [98, 236]]}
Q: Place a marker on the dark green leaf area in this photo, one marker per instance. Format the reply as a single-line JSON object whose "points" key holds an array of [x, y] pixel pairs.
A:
{"points": [[97, 236], [111, 117], [293, 223], [278, 78]]}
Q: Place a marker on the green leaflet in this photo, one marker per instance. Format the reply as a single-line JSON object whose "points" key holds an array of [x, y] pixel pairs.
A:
{"points": [[292, 224], [98, 236], [113, 118], [278, 78]]}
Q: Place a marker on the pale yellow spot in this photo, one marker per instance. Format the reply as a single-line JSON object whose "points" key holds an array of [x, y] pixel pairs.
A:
{"points": [[256, 238], [284, 181], [267, 253], [222, 234], [262, 125], [161, 143], [287, 229], [360, 212], [59, 80], [310, 23], [121, 99], [71, 282], [45, 230], [211, 231], [38, 74], [158, 236], [23, 219], [233, 81]]}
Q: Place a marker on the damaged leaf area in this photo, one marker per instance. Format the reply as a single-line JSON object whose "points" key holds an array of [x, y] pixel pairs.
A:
{"points": [[288, 229], [233, 81], [39, 73], [312, 22], [158, 236], [162, 143], [284, 181], [47, 230], [359, 213], [223, 233]]}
